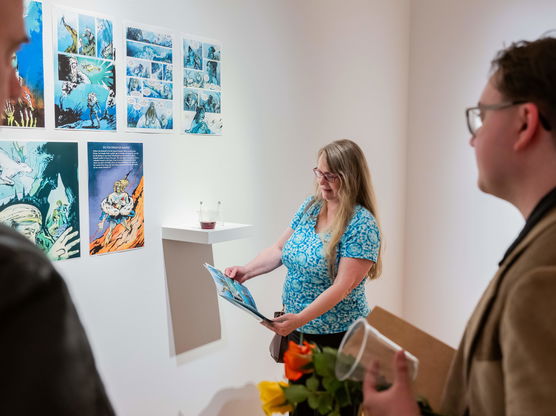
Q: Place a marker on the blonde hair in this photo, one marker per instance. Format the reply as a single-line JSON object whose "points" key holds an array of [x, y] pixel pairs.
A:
{"points": [[346, 159]]}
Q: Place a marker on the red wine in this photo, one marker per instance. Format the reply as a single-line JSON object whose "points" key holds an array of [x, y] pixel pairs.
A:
{"points": [[205, 225]]}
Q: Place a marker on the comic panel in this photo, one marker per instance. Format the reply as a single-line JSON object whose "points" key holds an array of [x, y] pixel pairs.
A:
{"points": [[192, 54], [87, 35], [190, 99], [39, 194], [116, 203], [145, 113], [146, 36], [210, 101], [158, 89], [212, 75], [162, 72], [150, 57], [134, 87], [202, 104], [138, 68], [211, 51], [84, 68], [85, 93], [148, 52], [105, 39], [67, 26], [201, 122], [194, 79], [28, 110]]}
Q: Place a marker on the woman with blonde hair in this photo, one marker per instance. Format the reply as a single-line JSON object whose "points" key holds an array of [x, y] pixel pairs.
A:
{"points": [[330, 248]]}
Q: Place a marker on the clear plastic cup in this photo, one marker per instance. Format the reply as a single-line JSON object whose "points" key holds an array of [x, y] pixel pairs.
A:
{"points": [[361, 346]]}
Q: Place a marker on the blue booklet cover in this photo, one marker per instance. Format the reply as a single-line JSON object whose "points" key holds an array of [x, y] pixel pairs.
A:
{"points": [[235, 293]]}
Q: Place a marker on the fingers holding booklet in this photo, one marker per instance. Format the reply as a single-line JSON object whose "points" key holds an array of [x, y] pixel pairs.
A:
{"points": [[235, 293]]}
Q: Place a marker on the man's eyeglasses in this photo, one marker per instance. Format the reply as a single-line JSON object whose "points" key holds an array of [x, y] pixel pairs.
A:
{"points": [[329, 177], [476, 115]]}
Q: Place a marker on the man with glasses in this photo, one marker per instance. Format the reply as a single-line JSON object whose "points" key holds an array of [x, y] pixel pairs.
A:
{"points": [[46, 363], [506, 362]]}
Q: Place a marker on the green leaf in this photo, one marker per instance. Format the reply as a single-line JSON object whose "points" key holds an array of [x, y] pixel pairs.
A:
{"points": [[331, 384], [313, 401], [296, 393], [324, 364], [312, 383], [325, 404]]}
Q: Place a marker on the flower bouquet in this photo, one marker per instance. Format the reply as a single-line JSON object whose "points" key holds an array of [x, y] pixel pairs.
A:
{"points": [[311, 376], [311, 379]]}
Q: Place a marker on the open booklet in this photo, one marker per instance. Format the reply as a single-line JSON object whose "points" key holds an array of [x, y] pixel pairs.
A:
{"points": [[235, 293]]}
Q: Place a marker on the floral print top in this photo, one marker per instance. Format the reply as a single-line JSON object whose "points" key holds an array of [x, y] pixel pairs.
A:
{"points": [[307, 277]]}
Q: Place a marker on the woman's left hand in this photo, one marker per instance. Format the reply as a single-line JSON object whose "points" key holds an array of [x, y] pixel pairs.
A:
{"points": [[285, 324]]}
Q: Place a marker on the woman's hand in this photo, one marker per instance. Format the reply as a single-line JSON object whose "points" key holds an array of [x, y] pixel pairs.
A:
{"points": [[285, 324], [238, 273]]}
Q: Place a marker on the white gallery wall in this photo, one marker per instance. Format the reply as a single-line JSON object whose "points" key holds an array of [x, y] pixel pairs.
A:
{"points": [[296, 75], [455, 235]]}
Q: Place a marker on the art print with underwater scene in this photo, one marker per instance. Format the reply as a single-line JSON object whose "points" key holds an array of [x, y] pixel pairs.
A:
{"points": [[149, 78], [201, 104], [84, 71], [39, 194], [116, 204], [28, 110]]}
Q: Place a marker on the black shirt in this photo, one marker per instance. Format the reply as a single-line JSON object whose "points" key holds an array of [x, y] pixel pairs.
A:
{"points": [[543, 207]]}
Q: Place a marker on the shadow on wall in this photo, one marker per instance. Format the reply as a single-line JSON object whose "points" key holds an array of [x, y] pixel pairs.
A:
{"points": [[234, 402]]}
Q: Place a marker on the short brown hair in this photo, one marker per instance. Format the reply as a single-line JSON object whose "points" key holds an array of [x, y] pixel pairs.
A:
{"points": [[526, 71]]}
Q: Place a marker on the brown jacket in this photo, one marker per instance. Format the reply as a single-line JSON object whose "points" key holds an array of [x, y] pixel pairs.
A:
{"points": [[506, 362]]}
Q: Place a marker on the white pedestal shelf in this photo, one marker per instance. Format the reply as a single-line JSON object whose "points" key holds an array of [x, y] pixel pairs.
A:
{"points": [[195, 234], [191, 291]]}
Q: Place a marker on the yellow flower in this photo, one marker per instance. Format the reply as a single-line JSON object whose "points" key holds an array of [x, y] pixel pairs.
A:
{"points": [[272, 397]]}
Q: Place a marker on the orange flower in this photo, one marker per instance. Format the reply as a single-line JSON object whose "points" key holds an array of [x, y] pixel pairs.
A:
{"points": [[296, 359]]}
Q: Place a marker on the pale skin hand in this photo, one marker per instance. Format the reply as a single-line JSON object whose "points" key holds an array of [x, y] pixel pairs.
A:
{"points": [[62, 247], [398, 400], [350, 273]]}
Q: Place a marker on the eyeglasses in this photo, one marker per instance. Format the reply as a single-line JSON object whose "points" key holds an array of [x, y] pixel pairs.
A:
{"points": [[329, 177], [476, 115]]}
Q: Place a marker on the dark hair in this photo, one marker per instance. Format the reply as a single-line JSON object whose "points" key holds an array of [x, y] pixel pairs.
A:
{"points": [[526, 71]]}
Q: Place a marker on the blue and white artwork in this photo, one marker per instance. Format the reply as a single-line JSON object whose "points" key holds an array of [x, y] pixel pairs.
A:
{"points": [[143, 113], [39, 194], [28, 110], [149, 78], [202, 97], [85, 72]]}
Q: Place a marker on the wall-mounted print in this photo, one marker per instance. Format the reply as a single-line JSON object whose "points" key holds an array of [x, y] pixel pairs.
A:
{"points": [[84, 71], [116, 205], [39, 194], [28, 110], [149, 79], [201, 104]]}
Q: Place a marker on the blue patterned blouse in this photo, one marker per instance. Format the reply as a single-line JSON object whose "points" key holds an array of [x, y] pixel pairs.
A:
{"points": [[307, 277]]}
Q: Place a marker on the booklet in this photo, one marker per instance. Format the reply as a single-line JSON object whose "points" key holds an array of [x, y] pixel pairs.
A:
{"points": [[235, 293]]}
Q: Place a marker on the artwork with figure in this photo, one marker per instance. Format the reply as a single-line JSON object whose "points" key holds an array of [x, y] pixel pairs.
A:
{"points": [[202, 81], [149, 79], [39, 194], [85, 72], [28, 110], [115, 197]]}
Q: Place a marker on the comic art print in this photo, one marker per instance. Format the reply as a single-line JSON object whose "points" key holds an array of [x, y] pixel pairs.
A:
{"points": [[84, 71], [202, 96], [149, 78], [39, 194], [116, 203], [28, 110]]}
